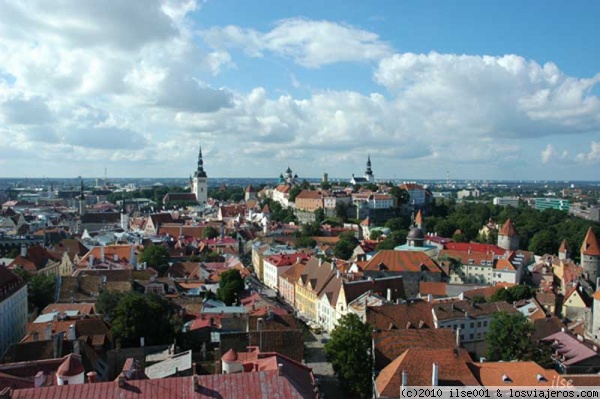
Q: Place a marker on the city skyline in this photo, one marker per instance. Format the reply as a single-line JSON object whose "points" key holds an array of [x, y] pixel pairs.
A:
{"points": [[498, 90]]}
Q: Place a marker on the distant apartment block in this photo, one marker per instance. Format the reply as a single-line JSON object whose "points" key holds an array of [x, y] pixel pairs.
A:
{"points": [[552, 203], [505, 201], [589, 212]]}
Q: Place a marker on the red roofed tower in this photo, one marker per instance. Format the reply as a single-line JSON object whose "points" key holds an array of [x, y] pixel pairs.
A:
{"points": [[564, 252], [507, 237], [590, 256]]}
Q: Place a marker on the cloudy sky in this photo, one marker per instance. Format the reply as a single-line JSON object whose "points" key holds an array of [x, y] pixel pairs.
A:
{"points": [[482, 89]]}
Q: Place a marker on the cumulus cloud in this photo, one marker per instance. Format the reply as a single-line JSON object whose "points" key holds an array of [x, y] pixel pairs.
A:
{"points": [[309, 43], [488, 96], [592, 157]]}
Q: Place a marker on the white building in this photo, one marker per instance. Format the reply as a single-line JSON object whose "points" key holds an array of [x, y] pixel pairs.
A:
{"points": [[13, 308], [275, 265], [200, 181], [504, 201]]}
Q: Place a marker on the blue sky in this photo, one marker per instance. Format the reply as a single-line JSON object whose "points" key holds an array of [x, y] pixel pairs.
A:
{"points": [[481, 89]]}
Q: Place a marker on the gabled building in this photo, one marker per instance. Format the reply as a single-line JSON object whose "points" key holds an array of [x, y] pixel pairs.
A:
{"points": [[590, 256]]}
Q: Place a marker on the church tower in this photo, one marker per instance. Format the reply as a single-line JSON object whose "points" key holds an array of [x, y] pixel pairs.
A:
{"points": [[590, 256], [369, 173], [200, 181]]}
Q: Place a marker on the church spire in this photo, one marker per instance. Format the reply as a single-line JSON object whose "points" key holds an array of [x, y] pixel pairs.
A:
{"points": [[369, 173], [200, 170]]}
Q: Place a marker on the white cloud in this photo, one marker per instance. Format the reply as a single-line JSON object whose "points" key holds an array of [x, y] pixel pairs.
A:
{"points": [[487, 96], [309, 43], [591, 157]]}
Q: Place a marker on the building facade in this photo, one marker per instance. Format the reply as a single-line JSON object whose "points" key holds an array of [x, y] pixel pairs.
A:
{"points": [[13, 308]]}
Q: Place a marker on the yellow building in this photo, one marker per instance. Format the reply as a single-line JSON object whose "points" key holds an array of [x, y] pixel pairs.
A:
{"points": [[309, 286]]}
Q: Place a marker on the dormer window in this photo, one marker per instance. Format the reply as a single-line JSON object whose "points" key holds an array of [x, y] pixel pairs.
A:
{"points": [[541, 378], [506, 378]]}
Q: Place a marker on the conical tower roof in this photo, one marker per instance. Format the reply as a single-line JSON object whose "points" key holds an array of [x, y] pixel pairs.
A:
{"points": [[508, 229], [590, 244], [419, 218], [564, 247]]}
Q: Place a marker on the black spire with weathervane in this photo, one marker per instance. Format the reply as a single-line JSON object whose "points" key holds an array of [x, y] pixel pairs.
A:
{"points": [[369, 172]]}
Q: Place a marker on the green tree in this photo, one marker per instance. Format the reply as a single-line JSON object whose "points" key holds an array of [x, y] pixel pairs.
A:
{"points": [[305, 242], [513, 294], [230, 286], [509, 338], [294, 191], [348, 350], [341, 211], [402, 196], [107, 303], [344, 248], [41, 288], [544, 242], [157, 257], [375, 235], [210, 232], [150, 316], [319, 215]]}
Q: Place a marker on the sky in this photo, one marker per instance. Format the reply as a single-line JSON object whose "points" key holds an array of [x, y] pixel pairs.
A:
{"points": [[488, 90]]}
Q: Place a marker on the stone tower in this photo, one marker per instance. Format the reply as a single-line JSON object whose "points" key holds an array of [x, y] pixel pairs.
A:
{"points": [[507, 237], [590, 256], [200, 181], [564, 252]]}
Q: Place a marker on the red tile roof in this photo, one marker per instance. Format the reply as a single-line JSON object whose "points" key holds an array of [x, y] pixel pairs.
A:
{"points": [[71, 366], [401, 261], [519, 373], [418, 364], [590, 244], [475, 247], [433, 288], [397, 316], [508, 229], [252, 385]]}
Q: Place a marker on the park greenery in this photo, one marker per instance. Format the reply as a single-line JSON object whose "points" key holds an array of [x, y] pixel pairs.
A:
{"points": [[344, 248], [134, 315], [349, 351]]}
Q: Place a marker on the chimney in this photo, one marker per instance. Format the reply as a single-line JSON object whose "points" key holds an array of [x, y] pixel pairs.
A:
{"points": [[91, 376], [91, 261], [434, 374], [35, 336], [280, 368], [76, 347], [72, 336], [338, 273], [102, 258], [40, 378], [481, 359], [458, 337], [142, 341], [404, 380], [429, 298], [116, 258], [320, 261], [389, 295], [23, 250]]}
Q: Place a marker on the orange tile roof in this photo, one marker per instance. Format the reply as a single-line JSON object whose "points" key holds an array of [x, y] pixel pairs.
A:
{"points": [[433, 288], [122, 251], [508, 229], [404, 315], [590, 244], [564, 246], [418, 364], [401, 261], [519, 373]]}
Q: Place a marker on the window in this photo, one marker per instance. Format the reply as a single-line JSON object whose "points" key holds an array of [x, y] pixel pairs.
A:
{"points": [[472, 325], [478, 324], [462, 326], [485, 323], [470, 336]]}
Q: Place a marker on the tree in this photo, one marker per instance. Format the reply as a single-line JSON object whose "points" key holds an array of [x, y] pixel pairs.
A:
{"points": [[107, 303], [319, 215], [157, 257], [543, 242], [509, 338], [513, 294], [230, 286], [305, 242], [294, 191], [341, 211], [349, 351], [210, 232], [150, 316], [375, 235], [41, 288], [345, 246], [402, 196]]}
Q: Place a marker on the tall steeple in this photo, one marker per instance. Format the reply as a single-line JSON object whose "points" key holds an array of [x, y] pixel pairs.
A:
{"points": [[200, 181], [200, 170], [369, 173]]}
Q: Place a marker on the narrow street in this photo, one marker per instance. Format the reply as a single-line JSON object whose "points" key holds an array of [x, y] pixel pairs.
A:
{"points": [[315, 358]]}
